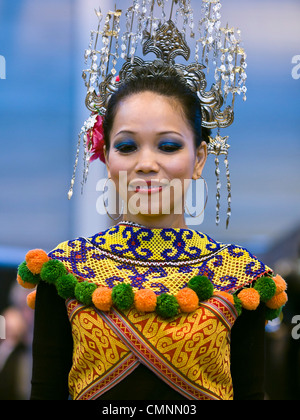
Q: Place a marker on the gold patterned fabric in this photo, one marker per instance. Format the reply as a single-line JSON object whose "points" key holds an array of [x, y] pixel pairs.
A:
{"points": [[190, 352], [100, 358]]}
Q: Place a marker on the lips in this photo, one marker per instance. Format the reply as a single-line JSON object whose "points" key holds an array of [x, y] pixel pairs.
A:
{"points": [[149, 190], [147, 186]]}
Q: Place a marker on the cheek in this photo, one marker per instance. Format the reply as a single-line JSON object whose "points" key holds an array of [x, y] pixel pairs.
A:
{"points": [[117, 164], [118, 173], [181, 166]]}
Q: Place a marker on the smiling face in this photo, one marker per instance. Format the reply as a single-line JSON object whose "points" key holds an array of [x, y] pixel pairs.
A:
{"points": [[152, 144]]}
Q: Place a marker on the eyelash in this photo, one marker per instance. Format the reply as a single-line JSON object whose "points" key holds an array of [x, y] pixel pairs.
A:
{"points": [[123, 148], [165, 147], [171, 147]]}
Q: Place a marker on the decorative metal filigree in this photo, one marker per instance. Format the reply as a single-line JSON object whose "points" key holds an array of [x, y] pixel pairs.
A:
{"points": [[167, 44], [149, 29], [219, 146]]}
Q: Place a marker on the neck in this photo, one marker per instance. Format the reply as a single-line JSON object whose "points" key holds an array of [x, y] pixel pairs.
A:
{"points": [[162, 222]]}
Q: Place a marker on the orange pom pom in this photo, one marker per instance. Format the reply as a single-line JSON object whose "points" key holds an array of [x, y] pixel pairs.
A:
{"points": [[102, 298], [277, 301], [250, 299], [31, 299], [187, 299], [225, 295], [281, 285], [25, 284], [35, 260], [145, 300]]}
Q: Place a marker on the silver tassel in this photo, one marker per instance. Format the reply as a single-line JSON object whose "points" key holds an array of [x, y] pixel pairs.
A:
{"points": [[218, 146]]}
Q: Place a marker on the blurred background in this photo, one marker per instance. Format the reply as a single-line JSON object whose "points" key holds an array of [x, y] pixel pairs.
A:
{"points": [[42, 44]]}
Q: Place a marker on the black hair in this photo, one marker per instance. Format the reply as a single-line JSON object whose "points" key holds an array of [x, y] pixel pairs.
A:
{"points": [[168, 86]]}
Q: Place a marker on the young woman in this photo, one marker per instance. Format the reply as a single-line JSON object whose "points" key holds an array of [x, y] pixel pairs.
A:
{"points": [[150, 309]]}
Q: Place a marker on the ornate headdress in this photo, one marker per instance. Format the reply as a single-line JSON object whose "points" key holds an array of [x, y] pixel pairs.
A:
{"points": [[163, 27]]}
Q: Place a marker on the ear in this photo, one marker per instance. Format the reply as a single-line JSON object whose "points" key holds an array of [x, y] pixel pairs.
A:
{"points": [[201, 157], [106, 160]]}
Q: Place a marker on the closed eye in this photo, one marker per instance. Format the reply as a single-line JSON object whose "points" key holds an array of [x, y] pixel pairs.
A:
{"points": [[170, 147], [126, 147]]}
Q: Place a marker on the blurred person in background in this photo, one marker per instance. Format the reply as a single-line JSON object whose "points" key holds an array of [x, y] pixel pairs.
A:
{"points": [[13, 356]]}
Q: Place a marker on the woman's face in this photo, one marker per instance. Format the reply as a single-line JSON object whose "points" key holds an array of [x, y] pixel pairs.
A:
{"points": [[152, 159]]}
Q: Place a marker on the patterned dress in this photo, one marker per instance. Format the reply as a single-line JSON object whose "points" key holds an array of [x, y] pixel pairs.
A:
{"points": [[189, 350]]}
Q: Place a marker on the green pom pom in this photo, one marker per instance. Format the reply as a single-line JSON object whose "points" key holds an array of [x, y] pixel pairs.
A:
{"points": [[123, 296], [65, 286], [202, 286], [238, 305], [52, 270], [167, 306], [26, 275], [272, 313], [266, 287], [84, 291]]}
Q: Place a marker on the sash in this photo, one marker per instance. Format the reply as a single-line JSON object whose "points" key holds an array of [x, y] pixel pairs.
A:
{"points": [[190, 352]]}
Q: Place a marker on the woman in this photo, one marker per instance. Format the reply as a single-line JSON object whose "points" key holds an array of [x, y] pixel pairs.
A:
{"points": [[152, 306]]}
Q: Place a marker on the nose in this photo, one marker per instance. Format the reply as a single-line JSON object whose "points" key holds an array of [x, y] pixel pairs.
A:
{"points": [[147, 162]]}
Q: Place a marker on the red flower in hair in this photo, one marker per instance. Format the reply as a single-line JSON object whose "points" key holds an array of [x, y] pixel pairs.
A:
{"points": [[96, 140]]}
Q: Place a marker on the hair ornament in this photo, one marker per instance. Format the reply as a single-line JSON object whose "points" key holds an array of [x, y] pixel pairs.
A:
{"points": [[195, 48]]}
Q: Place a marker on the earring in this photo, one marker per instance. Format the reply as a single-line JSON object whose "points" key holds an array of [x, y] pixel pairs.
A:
{"points": [[228, 191], [107, 212], [219, 146], [206, 199]]}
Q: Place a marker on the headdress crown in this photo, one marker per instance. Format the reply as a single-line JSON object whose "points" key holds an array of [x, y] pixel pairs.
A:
{"points": [[167, 29]]}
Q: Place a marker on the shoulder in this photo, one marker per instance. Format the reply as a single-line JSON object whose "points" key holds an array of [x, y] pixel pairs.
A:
{"points": [[232, 266], [236, 272], [237, 267]]}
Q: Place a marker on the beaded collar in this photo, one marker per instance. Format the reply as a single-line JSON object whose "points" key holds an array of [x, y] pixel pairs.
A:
{"points": [[128, 262], [128, 241]]}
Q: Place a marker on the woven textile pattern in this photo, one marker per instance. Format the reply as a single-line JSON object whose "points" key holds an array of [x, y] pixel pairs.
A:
{"points": [[161, 259], [100, 358], [191, 352]]}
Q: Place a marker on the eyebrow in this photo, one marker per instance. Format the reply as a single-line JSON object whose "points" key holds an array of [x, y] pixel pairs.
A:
{"points": [[125, 132], [160, 133]]}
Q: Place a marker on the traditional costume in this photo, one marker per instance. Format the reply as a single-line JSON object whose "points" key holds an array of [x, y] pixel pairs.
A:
{"points": [[164, 298], [153, 313]]}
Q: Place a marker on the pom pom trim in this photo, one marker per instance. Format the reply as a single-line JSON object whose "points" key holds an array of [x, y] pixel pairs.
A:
{"points": [[266, 288], [281, 285], [102, 298], [269, 290], [31, 298], [188, 300], [145, 300], [250, 299], [278, 301], [35, 260]]}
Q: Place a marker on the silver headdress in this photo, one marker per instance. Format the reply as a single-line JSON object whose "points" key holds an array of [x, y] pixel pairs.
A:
{"points": [[168, 30]]}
